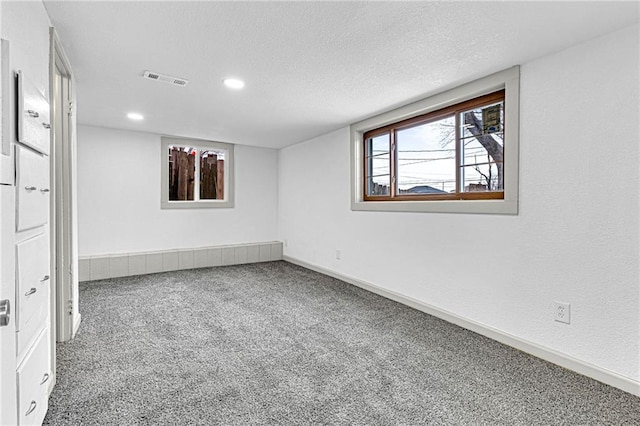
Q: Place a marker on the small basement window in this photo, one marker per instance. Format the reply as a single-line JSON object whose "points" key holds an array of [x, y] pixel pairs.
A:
{"points": [[456, 153], [196, 174], [453, 152]]}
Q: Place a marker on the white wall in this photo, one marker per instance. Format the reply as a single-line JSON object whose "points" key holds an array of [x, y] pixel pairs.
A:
{"points": [[119, 198], [26, 26], [574, 240]]}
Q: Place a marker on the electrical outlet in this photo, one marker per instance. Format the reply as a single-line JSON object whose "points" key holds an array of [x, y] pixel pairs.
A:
{"points": [[338, 254], [286, 242], [562, 312]]}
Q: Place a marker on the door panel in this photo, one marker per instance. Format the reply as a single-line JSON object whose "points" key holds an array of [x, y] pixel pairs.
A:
{"points": [[33, 378], [33, 188], [7, 292], [32, 276]]}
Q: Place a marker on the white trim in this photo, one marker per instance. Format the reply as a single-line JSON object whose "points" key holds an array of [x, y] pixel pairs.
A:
{"points": [[228, 200], [139, 263], [63, 223], [597, 373], [509, 80]]}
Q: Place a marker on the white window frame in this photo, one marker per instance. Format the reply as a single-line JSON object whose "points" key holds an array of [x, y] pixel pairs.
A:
{"points": [[509, 80], [226, 202]]}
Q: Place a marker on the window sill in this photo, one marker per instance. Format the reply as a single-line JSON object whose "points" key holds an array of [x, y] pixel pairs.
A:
{"points": [[444, 206], [195, 204]]}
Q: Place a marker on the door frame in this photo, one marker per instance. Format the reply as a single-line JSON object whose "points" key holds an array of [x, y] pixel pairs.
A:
{"points": [[65, 318]]}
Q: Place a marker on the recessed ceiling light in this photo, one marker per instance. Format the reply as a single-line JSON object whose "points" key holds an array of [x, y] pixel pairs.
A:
{"points": [[135, 116], [233, 83]]}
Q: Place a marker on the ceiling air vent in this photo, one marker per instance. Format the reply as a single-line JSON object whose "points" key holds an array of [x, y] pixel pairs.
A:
{"points": [[177, 81]]}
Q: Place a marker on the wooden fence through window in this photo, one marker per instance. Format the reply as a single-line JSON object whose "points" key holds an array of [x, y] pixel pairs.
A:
{"points": [[182, 175], [211, 177]]}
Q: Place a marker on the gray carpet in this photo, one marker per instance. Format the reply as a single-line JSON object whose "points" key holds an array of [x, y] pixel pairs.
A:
{"points": [[274, 343]]}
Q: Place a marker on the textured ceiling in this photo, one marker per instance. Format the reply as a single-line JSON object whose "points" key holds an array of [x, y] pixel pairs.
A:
{"points": [[309, 67]]}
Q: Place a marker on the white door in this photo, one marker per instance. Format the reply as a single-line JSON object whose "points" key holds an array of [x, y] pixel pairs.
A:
{"points": [[7, 322], [8, 412]]}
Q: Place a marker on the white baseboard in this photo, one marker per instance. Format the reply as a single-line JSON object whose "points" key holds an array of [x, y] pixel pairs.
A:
{"points": [[101, 267], [602, 375]]}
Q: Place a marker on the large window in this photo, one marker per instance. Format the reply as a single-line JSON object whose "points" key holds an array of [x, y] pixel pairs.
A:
{"points": [[456, 152], [449, 154], [196, 173]]}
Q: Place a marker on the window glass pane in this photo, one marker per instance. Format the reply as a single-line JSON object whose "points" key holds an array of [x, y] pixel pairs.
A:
{"points": [[378, 145], [378, 165], [480, 178], [211, 174], [482, 148], [427, 158], [378, 185], [182, 170]]}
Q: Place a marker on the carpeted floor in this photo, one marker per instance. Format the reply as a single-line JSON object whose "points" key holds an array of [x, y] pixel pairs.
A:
{"points": [[274, 343]]}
